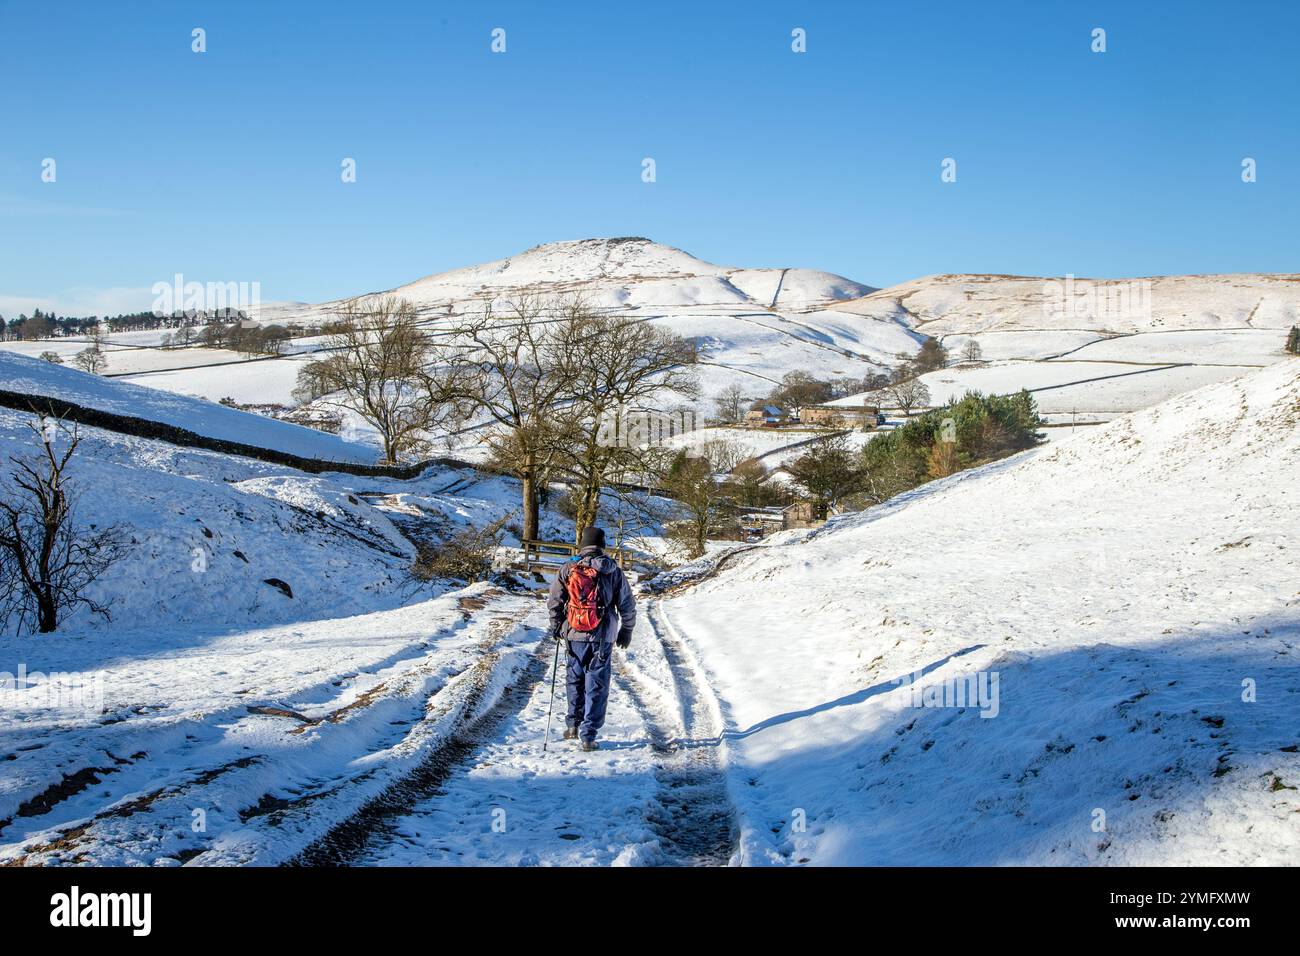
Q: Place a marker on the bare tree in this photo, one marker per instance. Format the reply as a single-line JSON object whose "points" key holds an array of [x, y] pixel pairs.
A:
{"points": [[696, 482], [516, 367], [48, 560], [619, 371], [874, 381], [732, 403], [270, 339], [907, 393], [801, 388], [316, 379], [91, 359], [972, 351], [883, 478], [381, 367]]}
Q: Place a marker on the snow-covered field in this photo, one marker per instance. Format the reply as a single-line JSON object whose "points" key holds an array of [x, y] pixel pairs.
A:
{"points": [[127, 359], [265, 381], [1112, 396], [1198, 347], [31, 376], [944, 305], [1061, 386], [1218, 325]]}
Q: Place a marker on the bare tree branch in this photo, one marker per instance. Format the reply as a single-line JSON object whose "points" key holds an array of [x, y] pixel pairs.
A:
{"points": [[47, 560]]}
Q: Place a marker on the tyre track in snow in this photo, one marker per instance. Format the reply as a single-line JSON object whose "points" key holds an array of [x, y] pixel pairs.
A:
{"points": [[692, 818], [696, 823], [374, 821], [278, 827], [129, 822]]}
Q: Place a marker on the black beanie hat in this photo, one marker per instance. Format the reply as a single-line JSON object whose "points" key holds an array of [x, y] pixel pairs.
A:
{"points": [[593, 536]]}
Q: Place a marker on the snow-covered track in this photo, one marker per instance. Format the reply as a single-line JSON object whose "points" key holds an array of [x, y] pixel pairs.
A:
{"points": [[362, 735], [695, 820], [480, 715], [696, 572]]}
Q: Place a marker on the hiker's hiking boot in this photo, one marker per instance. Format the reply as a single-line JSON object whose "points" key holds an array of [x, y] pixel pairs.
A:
{"points": [[570, 733], [588, 745]]}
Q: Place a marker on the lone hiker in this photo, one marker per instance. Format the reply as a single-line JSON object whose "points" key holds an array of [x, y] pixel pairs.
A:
{"points": [[590, 603]]}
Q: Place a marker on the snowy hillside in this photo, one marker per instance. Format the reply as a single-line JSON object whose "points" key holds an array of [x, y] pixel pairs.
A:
{"points": [[30, 376], [757, 324], [1093, 390], [945, 305], [626, 271], [207, 530], [1098, 347], [1129, 586], [253, 602]]}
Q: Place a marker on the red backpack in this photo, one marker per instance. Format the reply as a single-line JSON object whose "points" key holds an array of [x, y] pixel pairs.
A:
{"points": [[583, 587]]}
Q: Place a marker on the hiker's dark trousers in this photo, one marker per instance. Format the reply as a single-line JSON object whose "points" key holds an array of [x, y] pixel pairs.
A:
{"points": [[588, 682]]}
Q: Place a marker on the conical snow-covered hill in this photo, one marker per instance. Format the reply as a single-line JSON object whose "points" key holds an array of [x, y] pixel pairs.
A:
{"points": [[755, 324], [629, 272]]}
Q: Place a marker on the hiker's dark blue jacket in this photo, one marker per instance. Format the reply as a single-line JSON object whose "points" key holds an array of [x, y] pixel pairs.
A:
{"points": [[618, 607]]}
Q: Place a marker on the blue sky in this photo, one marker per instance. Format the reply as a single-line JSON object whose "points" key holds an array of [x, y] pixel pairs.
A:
{"points": [[225, 165]]}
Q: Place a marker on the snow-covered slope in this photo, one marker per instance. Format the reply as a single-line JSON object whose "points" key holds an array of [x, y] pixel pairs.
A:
{"points": [[1093, 390], [943, 305], [1098, 347], [1134, 588], [30, 376], [625, 271], [205, 531], [265, 635]]}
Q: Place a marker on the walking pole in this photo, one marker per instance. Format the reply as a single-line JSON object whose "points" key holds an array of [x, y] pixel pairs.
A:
{"points": [[554, 668]]}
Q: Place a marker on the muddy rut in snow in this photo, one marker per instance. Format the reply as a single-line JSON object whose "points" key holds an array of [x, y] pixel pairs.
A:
{"points": [[694, 818], [696, 823], [373, 822]]}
